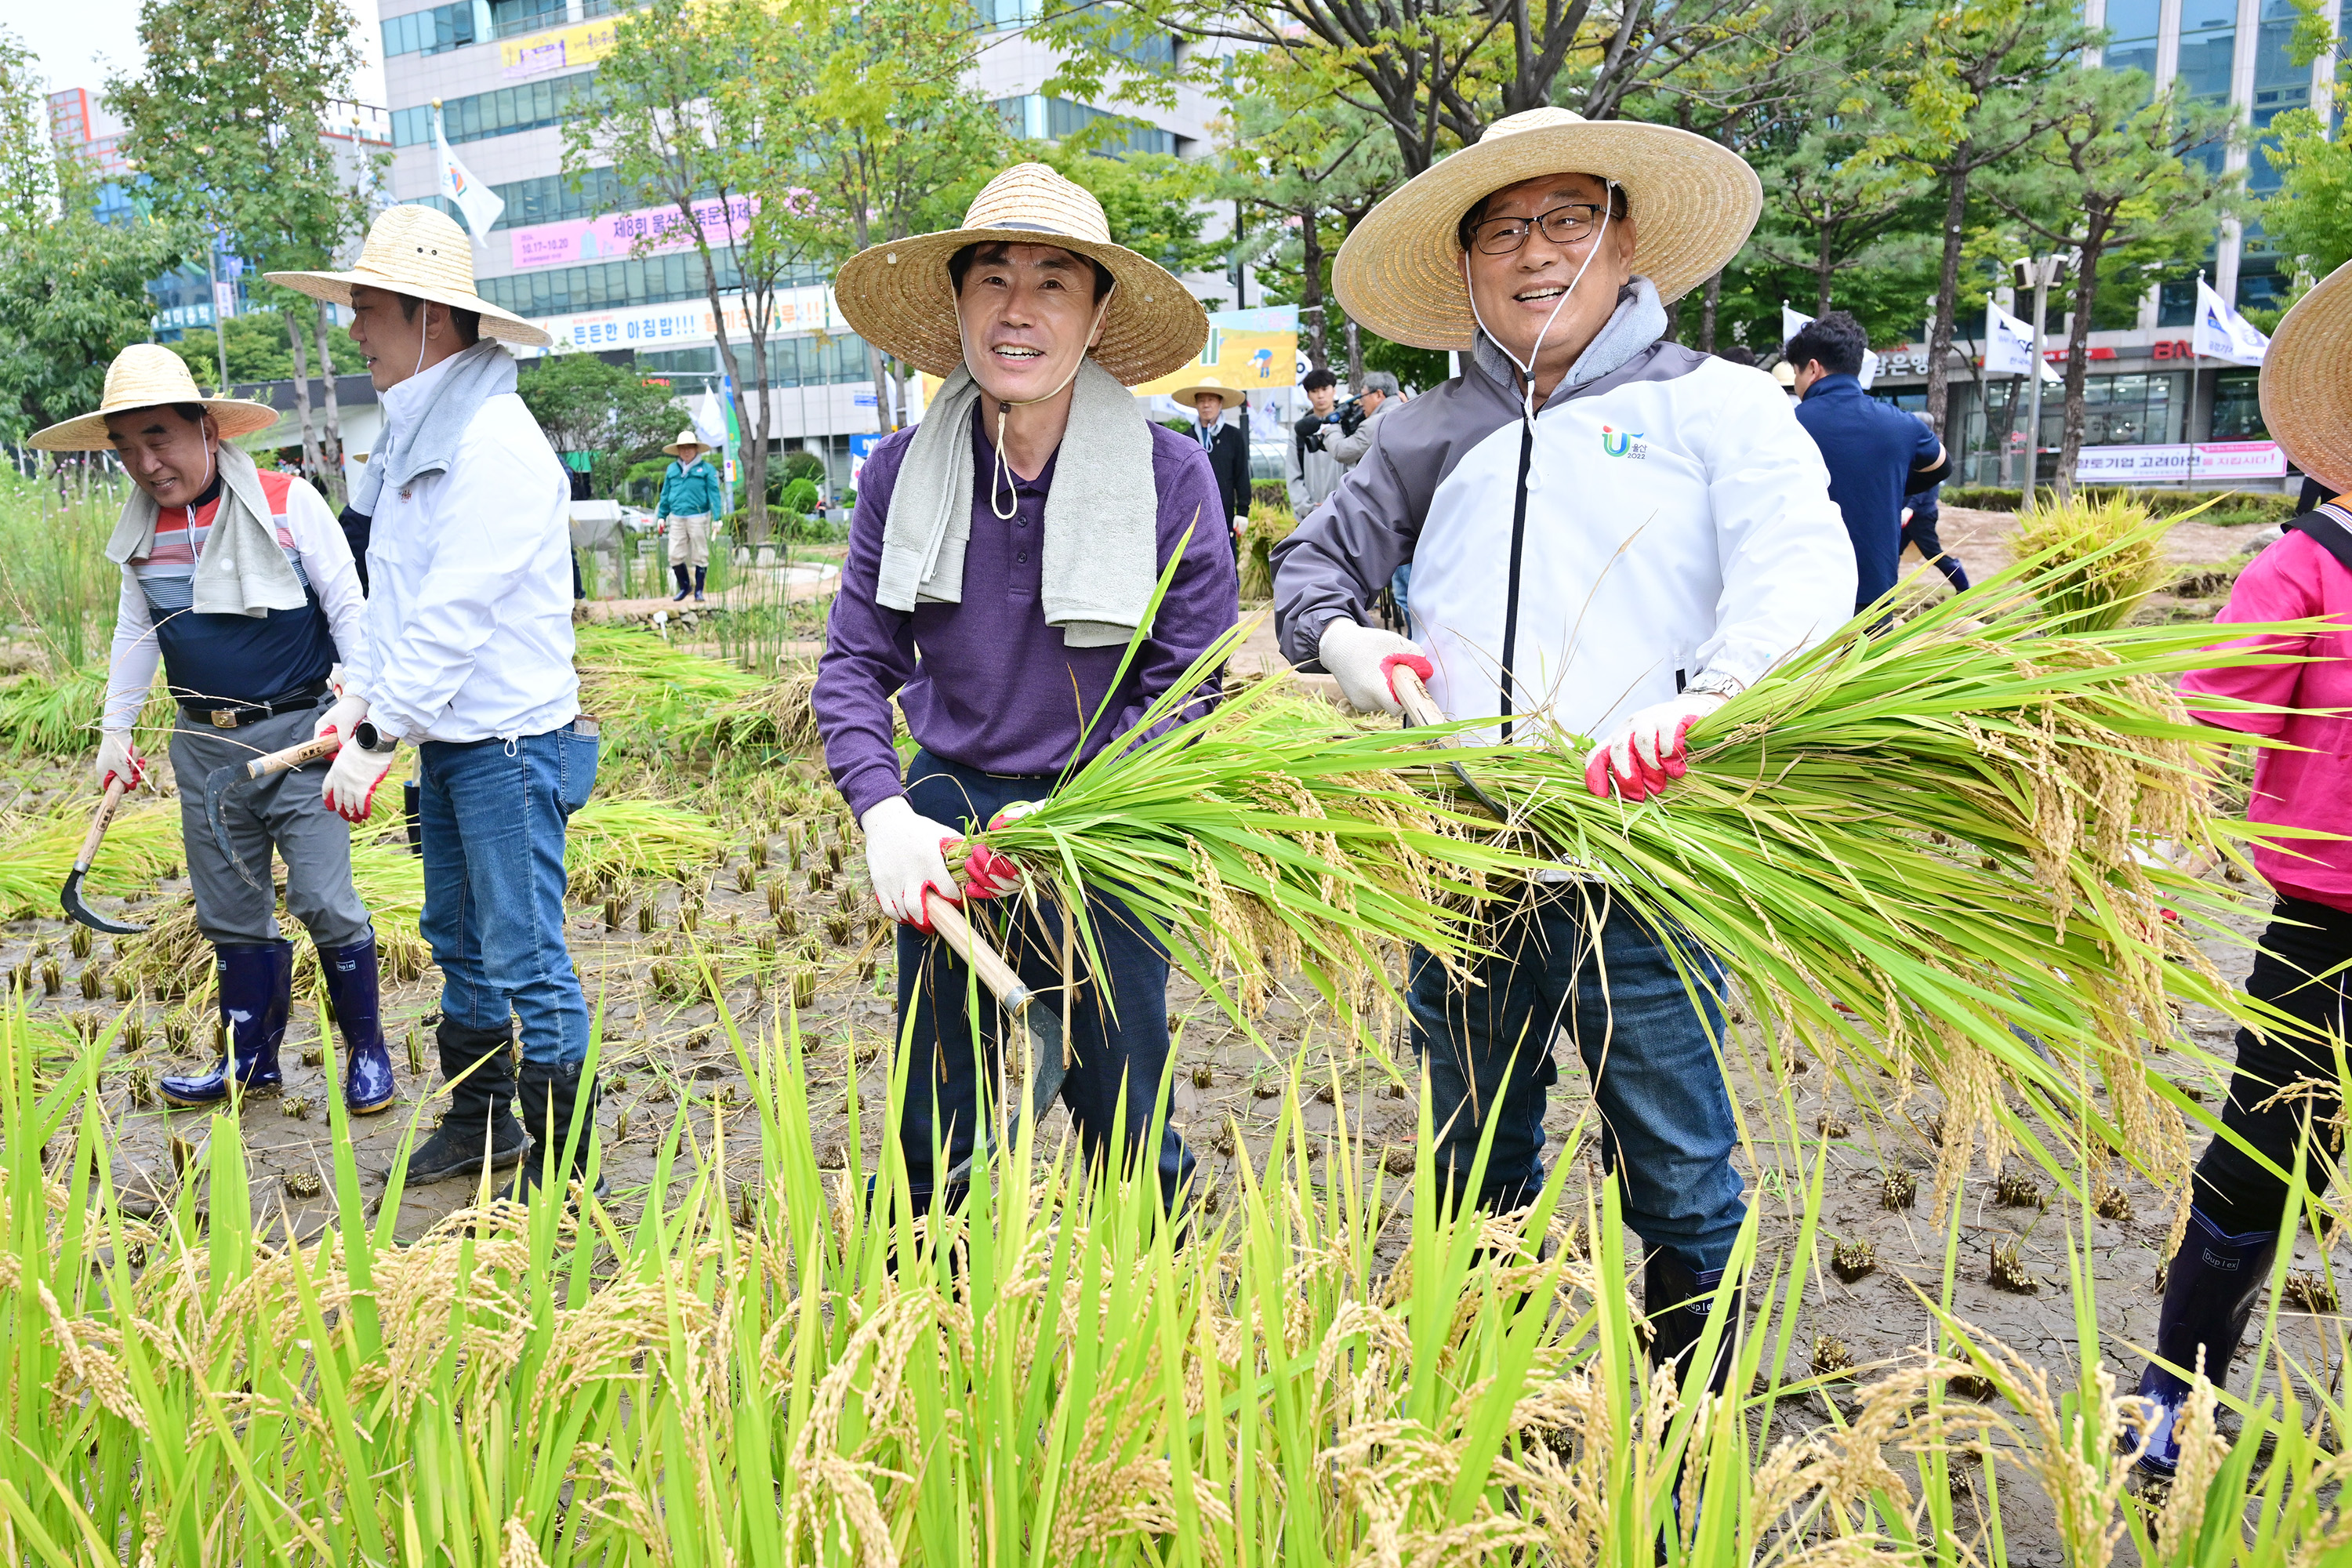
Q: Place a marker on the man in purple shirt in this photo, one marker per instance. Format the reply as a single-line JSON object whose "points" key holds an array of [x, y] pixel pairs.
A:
{"points": [[1000, 557]]}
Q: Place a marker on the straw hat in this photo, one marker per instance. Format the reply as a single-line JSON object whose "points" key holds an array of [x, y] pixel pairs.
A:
{"points": [[686, 437], [2307, 389], [147, 375], [897, 295], [1692, 200], [419, 251], [1190, 396]]}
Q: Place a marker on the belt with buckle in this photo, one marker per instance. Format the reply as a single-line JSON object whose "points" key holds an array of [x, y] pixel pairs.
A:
{"points": [[236, 715]]}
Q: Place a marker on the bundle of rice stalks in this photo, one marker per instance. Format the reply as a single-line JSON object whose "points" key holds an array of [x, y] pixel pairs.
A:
{"points": [[2098, 560], [642, 689], [776, 715], [57, 715], [1933, 828], [1267, 529], [623, 837], [37, 852]]}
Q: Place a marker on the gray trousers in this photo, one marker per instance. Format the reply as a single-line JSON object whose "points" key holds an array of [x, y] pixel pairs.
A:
{"points": [[283, 810]]}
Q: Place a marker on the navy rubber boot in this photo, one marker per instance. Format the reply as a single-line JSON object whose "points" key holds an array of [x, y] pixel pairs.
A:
{"points": [[2209, 1294], [257, 992], [351, 971], [1677, 1299], [678, 575], [549, 1098], [699, 574]]}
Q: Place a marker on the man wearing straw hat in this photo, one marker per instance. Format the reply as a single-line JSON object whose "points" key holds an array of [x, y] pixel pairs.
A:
{"points": [[240, 583], [1002, 560], [1611, 535], [689, 497], [468, 659], [2286, 1096], [1228, 450]]}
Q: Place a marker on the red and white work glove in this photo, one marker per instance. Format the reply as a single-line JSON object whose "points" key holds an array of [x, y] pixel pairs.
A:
{"points": [[1364, 660], [350, 790], [342, 718], [986, 873], [1647, 752], [903, 858], [119, 759]]}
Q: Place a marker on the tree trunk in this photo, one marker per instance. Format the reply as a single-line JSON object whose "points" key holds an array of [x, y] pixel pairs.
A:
{"points": [[757, 305], [1822, 267], [1947, 295], [332, 443], [1311, 312], [2078, 349], [1710, 303], [1355, 359], [301, 394]]}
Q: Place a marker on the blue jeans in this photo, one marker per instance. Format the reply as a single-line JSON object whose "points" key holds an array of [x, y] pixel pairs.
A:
{"points": [[1666, 1126], [1118, 1054], [493, 815]]}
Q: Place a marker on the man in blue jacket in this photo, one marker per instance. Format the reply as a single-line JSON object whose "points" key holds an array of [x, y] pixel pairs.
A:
{"points": [[1876, 453], [689, 498]]}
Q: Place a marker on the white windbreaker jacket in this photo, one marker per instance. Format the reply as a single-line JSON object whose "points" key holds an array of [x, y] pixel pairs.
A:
{"points": [[1666, 518]]}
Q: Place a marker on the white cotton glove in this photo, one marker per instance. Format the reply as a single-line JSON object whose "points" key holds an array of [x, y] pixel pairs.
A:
{"points": [[343, 716], [1647, 751], [903, 858], [1361, 658], [119, 759], [350, 790]]}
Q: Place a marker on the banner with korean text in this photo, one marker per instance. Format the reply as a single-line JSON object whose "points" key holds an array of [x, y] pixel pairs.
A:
{"points": [[648, 231], [687, 323], [2205, 462]]}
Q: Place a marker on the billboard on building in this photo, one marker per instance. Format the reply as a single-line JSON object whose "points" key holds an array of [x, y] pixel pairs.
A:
{"points": [[558, 48], [659, 230], [2205, 461], [688, 322]]}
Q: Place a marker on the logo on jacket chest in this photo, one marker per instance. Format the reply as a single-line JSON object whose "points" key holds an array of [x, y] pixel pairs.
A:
{"points": [[1619, 443]]}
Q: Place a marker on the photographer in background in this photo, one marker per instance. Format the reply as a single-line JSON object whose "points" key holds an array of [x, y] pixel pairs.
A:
{"points": [[1314, 472], [1380, 394]]}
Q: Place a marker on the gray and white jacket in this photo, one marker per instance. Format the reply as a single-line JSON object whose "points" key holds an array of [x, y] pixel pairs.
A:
{"points": [[1663, 519]]}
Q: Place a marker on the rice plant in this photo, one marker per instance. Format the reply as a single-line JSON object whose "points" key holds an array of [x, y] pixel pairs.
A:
{"points": [[37, 851], [2099, 558]]}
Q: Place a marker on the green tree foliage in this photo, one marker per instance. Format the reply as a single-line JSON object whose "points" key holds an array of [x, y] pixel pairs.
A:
{"points": [[72, 289], [2111, 181], [258, 350], [227, 118], [2310, 218], [609, 411]]}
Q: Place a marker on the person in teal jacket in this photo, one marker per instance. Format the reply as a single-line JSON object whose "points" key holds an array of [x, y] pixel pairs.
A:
{"points": [[689, 498]]}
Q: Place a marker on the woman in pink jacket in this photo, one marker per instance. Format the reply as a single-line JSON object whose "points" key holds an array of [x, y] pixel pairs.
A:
{"points": [[2301, 965]]}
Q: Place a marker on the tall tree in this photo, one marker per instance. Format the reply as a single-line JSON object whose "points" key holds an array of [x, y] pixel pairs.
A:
{"points": [[227, 117], [2111, 182], [609, 412], [1830, 210], [1971, 83], [73, 290]]}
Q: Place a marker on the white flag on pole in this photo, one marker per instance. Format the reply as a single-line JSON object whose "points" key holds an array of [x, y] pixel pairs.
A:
{"points": [[1795, 321], [709, 418], [2009, 343], [481, 205], [2221, 334]]}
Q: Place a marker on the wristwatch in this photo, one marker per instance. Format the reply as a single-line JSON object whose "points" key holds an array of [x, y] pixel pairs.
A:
{"points": [[374, 741], [1715, 684]]}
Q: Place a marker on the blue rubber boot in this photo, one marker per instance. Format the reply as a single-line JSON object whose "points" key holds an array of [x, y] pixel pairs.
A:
{"points": [[2209, 1294], [1677, 1299], [257, 992], [351, 971]]}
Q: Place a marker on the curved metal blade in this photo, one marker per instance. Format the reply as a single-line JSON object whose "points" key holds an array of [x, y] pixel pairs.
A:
{"points": [[69, 896]]}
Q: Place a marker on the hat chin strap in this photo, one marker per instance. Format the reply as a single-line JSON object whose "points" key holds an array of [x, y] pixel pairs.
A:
{"points": [[999, 472]]}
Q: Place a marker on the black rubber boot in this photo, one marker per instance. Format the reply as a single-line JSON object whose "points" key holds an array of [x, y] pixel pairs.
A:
{"points": [[2209, 1294], [683, 588], [699, 574], [257, 992], [480, 1127], [551, 1098], [351, 972], [1677, 1297]]}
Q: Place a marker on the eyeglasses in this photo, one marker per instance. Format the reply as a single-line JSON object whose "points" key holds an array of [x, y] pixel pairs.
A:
{"points": [[1572, 224]]}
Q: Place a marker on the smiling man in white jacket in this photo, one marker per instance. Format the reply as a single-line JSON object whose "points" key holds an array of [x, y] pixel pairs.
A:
{"points": [[1609, 536], [469, 658]]}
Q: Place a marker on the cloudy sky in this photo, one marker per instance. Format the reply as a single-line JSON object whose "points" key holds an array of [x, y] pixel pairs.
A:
{"points": [[79, 44]]}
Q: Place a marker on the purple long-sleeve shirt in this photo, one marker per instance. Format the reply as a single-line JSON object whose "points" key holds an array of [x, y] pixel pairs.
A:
{"points": [[994, 688]]}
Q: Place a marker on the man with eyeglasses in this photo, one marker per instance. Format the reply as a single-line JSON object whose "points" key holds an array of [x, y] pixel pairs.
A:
{"points": [[1610, 536]]}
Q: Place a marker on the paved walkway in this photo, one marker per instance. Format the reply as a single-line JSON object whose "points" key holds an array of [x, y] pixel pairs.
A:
{"points": [[761, 585]]}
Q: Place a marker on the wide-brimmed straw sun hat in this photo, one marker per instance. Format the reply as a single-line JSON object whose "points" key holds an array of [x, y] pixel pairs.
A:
{"points": [[2306, 381], [148, 375], [687, 439], [1693, 202], [419, 251], [897, 295], [1207, 387]]}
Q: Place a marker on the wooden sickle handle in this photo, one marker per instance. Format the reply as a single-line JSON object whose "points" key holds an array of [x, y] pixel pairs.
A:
{"points": [[292, 757], [97, 825], [1418, 707], [954, 930]]}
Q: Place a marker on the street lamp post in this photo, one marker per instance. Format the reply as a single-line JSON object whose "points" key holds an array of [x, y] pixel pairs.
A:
{"points": [[2040, 274]]}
